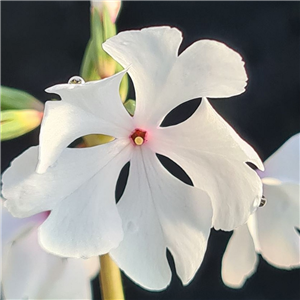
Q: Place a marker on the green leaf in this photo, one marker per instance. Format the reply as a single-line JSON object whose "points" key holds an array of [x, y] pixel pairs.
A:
{"points": [[16, 99], [15, 123]]}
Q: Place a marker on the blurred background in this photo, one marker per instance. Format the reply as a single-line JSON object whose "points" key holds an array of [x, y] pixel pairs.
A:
{"points": [[42, 43]]}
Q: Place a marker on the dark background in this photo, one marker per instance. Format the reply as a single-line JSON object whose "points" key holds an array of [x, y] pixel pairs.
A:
{"points": [[42, 43]]}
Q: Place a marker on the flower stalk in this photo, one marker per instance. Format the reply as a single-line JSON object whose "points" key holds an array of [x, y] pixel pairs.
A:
{"points": [[110, 279]]}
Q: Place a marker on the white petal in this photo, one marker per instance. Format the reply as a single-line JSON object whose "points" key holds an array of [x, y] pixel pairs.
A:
{"points": [[252, 226], [185, 214], [158, 212], [240, 259], [87, 222], [276, 222], [219, 71], [215, 157], [284, 163], [149, 54], [74, 281], [31, 273], [101, 98], [29, 193], [163, 80], [80, 191], [205, 69], [92, 266], [12, 228], [142, 253], [91, 108]]}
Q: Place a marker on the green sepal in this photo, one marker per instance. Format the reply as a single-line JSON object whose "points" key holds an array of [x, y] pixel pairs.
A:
{"points": [[92, 140], [130, 106], [97, 33], [89, 69], [124, 83], [16, 99], [15, 123], [108, 26]]}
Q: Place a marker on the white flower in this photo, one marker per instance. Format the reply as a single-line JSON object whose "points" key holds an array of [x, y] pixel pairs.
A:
{"points": [[271, 231], [157, 211], [28, 272]]}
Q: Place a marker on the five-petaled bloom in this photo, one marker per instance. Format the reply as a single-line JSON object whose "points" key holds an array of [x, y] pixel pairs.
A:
{"points": [[271, 231], [28, 272], [156, 211]]}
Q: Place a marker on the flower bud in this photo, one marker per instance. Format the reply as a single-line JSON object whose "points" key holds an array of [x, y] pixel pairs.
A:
{"points": [[112, 6], [15, 123], [17, 99]]}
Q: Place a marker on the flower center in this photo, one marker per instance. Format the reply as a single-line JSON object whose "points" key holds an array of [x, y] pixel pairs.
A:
{"points": [[138, 137]]}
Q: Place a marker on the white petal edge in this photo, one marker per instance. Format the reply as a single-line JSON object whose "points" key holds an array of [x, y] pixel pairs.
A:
{"points": [[240, 259], [12, 228], [90, 108], [163, 80], [87, 222], [28, 193], [214, 157], [79, 172], [149, 54], [158, 212], [205, 69], [101, 98]]}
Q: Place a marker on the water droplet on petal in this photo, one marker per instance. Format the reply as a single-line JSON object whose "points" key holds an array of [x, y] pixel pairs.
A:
{"points": [[76, 80], [125, 43], [263, 201]]}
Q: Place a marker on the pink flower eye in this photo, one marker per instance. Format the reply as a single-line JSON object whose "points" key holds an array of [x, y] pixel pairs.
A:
{"points": [[139, 137]]}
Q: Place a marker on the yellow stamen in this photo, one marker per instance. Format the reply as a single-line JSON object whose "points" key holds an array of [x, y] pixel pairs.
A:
{"points": [[139, 140]]}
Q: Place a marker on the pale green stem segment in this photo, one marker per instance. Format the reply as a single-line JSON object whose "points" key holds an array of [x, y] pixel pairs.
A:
{"points": [[110, 279]]}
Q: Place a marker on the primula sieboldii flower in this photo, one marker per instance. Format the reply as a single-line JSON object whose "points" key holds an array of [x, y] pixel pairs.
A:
{"points": [[28, 272], [156, 211], [271, 231]]}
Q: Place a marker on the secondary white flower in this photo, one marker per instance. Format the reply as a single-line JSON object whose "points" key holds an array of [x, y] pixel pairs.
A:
{"points": [[28, 272], [156, 211], [271, 231]]}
